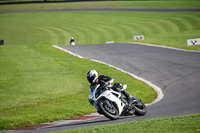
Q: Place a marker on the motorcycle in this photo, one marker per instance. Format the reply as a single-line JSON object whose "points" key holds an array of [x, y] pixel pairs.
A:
{"points": [[112, 104]]}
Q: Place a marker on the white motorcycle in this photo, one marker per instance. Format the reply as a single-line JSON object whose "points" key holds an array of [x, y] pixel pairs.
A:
{"points": [[112, 104]]}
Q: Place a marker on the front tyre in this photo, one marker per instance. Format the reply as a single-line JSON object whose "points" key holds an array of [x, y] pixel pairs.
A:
{"points": [[108, 109], [140, 108]]}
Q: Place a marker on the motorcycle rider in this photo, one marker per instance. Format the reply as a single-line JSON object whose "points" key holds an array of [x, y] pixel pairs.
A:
{"points": [[72, 41], [104, 80]]}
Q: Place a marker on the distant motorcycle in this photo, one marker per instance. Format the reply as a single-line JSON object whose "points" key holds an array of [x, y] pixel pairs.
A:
{"points": [[112, 104]]}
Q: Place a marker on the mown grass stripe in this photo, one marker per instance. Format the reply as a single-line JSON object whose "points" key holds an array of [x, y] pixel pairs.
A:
{"points": [[126, 31], [144, 29], [168, 25], [194, 21], [104, 27], [65, 36], [187, 23], [77, 33], [109, 32], [91, 32], [157, 26], [181, 24], [53, 36]]}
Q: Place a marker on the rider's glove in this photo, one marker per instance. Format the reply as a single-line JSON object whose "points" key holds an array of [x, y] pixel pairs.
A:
{"points": [[91, 102]]}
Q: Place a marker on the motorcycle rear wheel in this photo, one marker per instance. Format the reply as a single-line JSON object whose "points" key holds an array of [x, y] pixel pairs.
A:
{"points": [[109, 112]]}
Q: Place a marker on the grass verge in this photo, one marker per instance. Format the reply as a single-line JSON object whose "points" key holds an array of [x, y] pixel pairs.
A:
{"points": [[90, 27], [179, 124], [41, 84]]}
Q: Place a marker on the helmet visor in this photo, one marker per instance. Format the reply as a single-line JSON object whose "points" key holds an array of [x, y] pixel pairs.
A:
{"points": [[91, 79]]}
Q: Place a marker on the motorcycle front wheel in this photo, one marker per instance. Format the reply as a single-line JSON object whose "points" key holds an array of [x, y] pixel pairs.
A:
{"points": [[108, 109], [140, 108]]}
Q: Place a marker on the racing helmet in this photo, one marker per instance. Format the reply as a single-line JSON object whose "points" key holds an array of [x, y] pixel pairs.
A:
{"points": [[92, 76]]}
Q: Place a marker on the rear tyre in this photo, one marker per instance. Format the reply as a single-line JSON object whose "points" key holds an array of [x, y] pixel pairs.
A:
{"points": [[108, 109]]}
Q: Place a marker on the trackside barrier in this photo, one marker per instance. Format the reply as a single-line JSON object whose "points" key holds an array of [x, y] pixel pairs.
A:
{"points": [[138, 37], [192, 42]]}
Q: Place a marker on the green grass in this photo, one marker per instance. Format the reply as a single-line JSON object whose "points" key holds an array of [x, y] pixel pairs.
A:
{"points": [[179, 124], [56, 28], [39, 83]]}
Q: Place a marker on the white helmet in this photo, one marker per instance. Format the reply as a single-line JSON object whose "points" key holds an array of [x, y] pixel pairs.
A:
{"points": [[92, 76]]}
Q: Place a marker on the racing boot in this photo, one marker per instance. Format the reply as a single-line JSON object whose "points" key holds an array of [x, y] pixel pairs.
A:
{"points": [[129, 99]]}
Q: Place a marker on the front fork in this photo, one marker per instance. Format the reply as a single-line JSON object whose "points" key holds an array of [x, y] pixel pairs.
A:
{"points": [[124, 100]]}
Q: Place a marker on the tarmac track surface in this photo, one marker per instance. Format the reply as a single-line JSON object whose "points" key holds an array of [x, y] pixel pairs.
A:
{"points": [[176, 72]]}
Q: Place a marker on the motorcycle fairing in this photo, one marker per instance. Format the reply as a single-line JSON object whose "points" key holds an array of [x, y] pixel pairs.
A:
{"points": [[112, 96]]}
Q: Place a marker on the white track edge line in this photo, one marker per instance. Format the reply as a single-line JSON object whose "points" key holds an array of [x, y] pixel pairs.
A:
{"points": [[158, 90], [153, 45]]}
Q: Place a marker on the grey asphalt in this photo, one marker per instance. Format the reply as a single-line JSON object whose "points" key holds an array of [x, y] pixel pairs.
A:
{"points": [[176, 72]]}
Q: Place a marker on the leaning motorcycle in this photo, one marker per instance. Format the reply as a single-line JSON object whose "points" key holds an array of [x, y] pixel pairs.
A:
{"points": [[112, 104]]}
